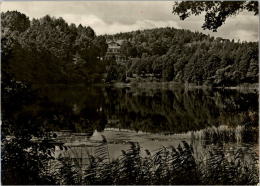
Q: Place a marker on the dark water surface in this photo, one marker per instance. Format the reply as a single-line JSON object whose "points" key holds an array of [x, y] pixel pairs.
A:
{"points": [[152, 117], [146, 115], [83, 118], [85, 109]]}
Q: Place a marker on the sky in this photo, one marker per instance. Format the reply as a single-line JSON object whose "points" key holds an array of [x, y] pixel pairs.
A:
{"points": [[109, 17]]}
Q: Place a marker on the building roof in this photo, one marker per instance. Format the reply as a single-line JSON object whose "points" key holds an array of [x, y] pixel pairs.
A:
{"points": [[113, 44], [118, 42]]}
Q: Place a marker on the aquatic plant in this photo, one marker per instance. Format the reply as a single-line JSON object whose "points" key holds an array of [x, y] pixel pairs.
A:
{"points": [[223, 134], [169, 166], [220, 168]]}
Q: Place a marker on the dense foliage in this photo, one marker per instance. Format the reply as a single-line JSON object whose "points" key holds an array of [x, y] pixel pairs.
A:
{"points": [[216, 12], [184, 56], [23, 159], [48, 50]]}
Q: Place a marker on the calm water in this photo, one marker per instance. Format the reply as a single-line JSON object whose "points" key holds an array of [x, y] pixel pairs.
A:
{"points": [[86, 109], [80, 116]]}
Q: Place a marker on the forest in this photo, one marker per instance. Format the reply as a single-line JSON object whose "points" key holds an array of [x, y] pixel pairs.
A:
{"points": [[189, 57], [50, 51]]}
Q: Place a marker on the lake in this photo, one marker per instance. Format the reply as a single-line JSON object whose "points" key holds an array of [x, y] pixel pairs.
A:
{"points": [[84, 118], [153, 117], [160, 111]]}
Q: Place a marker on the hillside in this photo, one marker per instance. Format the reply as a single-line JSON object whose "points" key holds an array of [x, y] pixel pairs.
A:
{"points": [[49, 51], [177, 55]]}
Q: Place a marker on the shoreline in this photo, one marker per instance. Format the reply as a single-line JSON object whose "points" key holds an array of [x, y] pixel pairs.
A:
{"points": [[157, 85], [169, 85]]}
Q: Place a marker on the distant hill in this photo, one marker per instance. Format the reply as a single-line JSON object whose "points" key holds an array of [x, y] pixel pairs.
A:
{"points": [[49, 50], [192, 57]]}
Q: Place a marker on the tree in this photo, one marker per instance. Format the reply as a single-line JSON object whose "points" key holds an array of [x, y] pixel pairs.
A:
{"points": [[216, 12], [128, 49], [14, 21], [48, 50], [168, 72], [101, 45]]}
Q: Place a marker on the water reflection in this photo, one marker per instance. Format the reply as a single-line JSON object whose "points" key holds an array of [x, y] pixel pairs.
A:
{"points": [[156, 111], [41, 119]]}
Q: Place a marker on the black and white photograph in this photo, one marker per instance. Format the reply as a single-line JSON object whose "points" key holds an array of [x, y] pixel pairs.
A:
{"points": [[129, 92]]}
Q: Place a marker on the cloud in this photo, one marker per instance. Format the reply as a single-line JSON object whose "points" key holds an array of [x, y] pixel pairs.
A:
{"points": [[139, 25], [125, 12], [243, 27], [102, 27], [122, 16], [245, 35]]}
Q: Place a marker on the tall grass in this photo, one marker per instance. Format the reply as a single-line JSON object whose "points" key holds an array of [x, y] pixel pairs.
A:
{"points": [[165, 166], [220, 169], [223, 134]]}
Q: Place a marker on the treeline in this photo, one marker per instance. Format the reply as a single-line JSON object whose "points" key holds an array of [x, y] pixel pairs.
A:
{"points": [[49, 50], [183, 56]]}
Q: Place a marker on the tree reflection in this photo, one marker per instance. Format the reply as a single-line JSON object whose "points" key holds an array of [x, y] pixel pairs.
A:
{"points": [[25, 149], [30, 115], [179, 110]]}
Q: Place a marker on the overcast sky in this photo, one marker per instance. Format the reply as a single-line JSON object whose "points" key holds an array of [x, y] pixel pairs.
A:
{"points": [[122, 16]]}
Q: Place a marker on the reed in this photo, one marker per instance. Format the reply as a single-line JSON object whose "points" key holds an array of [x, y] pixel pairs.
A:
{"points": [[173, 166], [223, 134]]}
